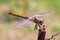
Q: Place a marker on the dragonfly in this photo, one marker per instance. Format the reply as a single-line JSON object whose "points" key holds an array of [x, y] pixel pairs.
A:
{"points": [[38, 22]]}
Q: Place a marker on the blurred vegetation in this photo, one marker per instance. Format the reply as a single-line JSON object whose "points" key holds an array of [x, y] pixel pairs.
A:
{"points": [[55, 28]]}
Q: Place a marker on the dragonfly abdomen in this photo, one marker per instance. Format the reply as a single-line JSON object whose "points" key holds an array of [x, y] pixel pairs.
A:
{"points": [[14, 14]]}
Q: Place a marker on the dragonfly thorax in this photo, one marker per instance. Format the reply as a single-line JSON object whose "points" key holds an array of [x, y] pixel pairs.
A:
{"points": [[38, 21]]}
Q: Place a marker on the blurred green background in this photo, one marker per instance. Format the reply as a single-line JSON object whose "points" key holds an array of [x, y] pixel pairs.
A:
{"points": [[28, 8]]}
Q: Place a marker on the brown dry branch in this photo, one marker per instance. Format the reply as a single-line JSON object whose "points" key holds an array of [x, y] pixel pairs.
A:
{"points": [[41, 33], [53, 36]]}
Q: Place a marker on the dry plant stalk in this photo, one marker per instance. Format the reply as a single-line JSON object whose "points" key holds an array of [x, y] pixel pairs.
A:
{"points": [[42, 33], [52, 37]]}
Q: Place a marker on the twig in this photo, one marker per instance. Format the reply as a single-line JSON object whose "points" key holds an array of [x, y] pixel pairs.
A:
{"points": [[41, 33], [52, 37]]}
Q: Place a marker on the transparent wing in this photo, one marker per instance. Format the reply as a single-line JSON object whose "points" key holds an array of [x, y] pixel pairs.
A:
{"points": [[42, 14], [24, 24]]}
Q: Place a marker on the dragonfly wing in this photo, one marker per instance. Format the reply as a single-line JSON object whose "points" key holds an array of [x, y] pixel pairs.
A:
{"points": [[24, 24], [42, 14]]}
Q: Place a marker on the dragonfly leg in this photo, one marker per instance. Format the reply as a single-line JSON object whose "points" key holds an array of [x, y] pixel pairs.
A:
{"points": [[39, 25], [35, 28]]}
